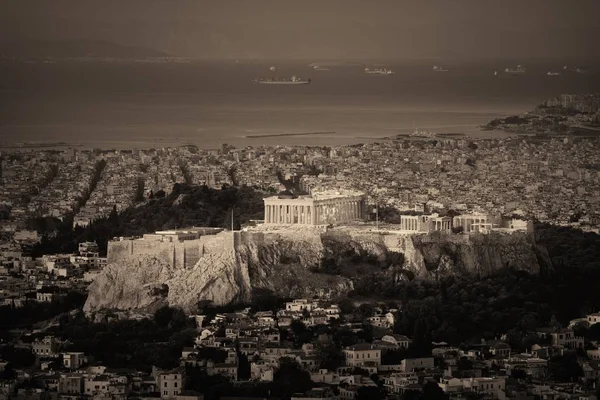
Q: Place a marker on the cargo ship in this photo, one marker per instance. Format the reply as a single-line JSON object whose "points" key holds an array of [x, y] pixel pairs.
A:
{"points": [[379, 71], [576, 69], [518, 70], [294, 80]]}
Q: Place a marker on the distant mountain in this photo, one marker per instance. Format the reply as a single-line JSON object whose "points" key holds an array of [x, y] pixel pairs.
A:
{"points": [[75, 48]]}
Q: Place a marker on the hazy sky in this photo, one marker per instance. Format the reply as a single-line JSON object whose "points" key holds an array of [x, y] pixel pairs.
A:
{"points": [[351, 29]]}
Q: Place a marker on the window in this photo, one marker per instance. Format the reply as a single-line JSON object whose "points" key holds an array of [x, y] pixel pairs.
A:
{"points": [[165, 393], [165, 384], [174, 384]]}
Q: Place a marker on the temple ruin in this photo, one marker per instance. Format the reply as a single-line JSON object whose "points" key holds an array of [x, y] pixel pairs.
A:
{"points": [[327, 207]]}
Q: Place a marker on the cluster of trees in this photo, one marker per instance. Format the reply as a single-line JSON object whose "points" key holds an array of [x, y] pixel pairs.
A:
{"points": [[34, 312], [184, 206], [568, 247], [458, 309], [138, 196], [290, 378], [138, 344]]}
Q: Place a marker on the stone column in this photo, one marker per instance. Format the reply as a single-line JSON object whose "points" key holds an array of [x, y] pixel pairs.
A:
{"points": [[346, 211], [267, 214]]}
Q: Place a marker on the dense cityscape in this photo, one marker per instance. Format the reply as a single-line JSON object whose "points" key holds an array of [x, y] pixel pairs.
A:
{"points": [[302, 348], [276, 200]]}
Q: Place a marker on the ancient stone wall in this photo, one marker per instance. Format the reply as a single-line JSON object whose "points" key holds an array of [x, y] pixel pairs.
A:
{"points": [[184, 254]]}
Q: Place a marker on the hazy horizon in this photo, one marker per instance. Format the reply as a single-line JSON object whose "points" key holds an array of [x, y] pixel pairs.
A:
{"points": [[460, 30]]}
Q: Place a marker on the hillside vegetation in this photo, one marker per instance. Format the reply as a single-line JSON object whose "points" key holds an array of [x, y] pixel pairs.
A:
{"points": [[185, 206]]}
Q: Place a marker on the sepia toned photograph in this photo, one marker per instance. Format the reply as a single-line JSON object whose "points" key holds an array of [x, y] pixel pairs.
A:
{"points": [[299, 200]]}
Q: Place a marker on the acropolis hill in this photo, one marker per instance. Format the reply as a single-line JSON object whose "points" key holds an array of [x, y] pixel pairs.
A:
{"points": [[285, 254]]}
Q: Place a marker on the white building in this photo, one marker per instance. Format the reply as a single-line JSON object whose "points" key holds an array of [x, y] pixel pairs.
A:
{"points": [[170, 383], [361, 354], [300, 305]]}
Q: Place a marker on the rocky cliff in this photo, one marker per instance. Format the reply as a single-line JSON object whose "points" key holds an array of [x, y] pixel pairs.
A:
{"points": [[302, 263]]}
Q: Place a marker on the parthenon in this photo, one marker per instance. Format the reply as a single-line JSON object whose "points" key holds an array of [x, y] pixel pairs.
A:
{"points": [[328, 207]]}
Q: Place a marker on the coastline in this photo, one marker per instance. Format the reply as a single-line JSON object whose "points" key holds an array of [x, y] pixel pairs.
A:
{"points": [[289, 134]]}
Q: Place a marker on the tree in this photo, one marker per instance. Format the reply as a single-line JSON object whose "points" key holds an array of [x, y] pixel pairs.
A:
{"points": [[565, 368], [346, 306], [243, 367], [331, 356], [114, 215], [17, 357], [593, 332], [162, 316], [301, 333], [369, 393], [290, 378], [432, 391], [139, 190], [393, 357]]}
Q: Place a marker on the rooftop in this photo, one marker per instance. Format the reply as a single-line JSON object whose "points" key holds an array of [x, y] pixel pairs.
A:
{"points": [[324, 195]]}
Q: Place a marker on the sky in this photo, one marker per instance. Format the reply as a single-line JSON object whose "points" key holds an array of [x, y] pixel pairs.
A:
{"points": [[316, 29]]}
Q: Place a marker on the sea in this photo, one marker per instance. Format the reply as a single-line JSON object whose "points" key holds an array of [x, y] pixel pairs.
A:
{"points": [[124, 105]]}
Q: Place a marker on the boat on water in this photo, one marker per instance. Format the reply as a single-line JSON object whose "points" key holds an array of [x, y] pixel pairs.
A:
{"points": [[552, 73], [273, 69], [518, 70], [378, 71], [439, 68], [294, 80], [319, 68], [577, 70], [495, 73]]}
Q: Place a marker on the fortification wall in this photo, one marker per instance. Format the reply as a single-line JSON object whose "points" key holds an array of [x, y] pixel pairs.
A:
{"points": [[215, 244], [160, 250], [184, 254], [119, 250], [192, 251]]}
